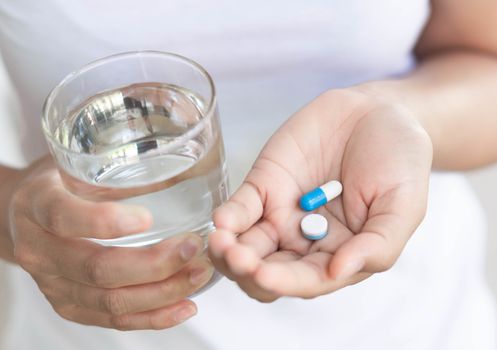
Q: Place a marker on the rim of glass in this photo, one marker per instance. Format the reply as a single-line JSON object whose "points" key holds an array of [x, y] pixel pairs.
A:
{"points": [[98, 62]]}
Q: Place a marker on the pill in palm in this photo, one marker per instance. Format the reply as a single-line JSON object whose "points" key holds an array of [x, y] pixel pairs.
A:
{"points": [[320, 195], [314, 226]]}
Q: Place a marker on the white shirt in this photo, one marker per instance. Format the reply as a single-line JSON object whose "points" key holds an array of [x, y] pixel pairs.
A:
{"points": [[268, 58]]}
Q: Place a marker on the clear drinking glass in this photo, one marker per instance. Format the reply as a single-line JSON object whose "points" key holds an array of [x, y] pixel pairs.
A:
{"points": [[141, 128]]}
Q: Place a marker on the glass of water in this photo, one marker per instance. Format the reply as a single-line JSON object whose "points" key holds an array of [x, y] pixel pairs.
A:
{"points": [[141, 128]]}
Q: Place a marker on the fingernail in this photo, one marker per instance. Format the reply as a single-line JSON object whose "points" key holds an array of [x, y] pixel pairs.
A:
{"points": [[350, 269], [132, 219], [199, 275], [184, 313], [189, 248]]}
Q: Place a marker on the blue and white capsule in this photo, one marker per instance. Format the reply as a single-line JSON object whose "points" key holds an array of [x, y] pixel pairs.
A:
{"points": [[321, 195]]}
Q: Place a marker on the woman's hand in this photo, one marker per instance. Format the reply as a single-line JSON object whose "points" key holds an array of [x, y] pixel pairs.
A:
{"points": [[122, 288], [383, 158]]}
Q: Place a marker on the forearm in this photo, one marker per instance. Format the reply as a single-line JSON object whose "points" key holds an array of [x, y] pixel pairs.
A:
{"points": [[8, 183], [454, 96]]}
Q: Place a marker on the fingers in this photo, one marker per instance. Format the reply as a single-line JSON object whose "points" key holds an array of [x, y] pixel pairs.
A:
{"points": [[130, 266], [255, 291], [109, 267], [305, 277], [163, 318], [392, 220], [241, 254], [286, 273], [238, 262], [266, 274], [235, 256], [134, 299], [64, 214], [242, 210], [220, 242], [261, 238], [117, 267], [260, 267]]}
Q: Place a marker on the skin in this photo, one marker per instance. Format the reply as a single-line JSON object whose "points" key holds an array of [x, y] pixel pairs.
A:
{"points": [[380, 139], [122, 288], [384, 199]]}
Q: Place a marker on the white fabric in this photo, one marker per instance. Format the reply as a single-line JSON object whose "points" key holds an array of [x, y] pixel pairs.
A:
{"points": [[9, 108], [268, 58]]}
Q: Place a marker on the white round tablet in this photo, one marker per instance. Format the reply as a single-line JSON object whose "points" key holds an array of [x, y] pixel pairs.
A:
{"points": [[314, 226]]}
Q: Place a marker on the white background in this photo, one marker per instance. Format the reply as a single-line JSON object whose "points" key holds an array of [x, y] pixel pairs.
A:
{"points": [[485, 183]]}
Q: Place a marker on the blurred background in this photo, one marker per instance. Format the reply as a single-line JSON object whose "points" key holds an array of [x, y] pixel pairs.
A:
{"points": [[483, 181], [485, 184]]}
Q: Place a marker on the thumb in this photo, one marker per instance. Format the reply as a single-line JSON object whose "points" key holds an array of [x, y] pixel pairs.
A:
{"points": [[392, 219], [242, 210]]}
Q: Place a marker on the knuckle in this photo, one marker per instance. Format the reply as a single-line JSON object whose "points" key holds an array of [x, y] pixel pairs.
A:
{"points": [[114, 303], [166, 288], [121, 322], [97, 270], [156, 263]]}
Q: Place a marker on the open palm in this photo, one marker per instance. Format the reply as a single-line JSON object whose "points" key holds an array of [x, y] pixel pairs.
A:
{"points": [[382, 157]]}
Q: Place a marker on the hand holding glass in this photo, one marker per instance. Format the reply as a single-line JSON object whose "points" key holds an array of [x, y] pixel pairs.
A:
{"points": [[141, 128]]}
